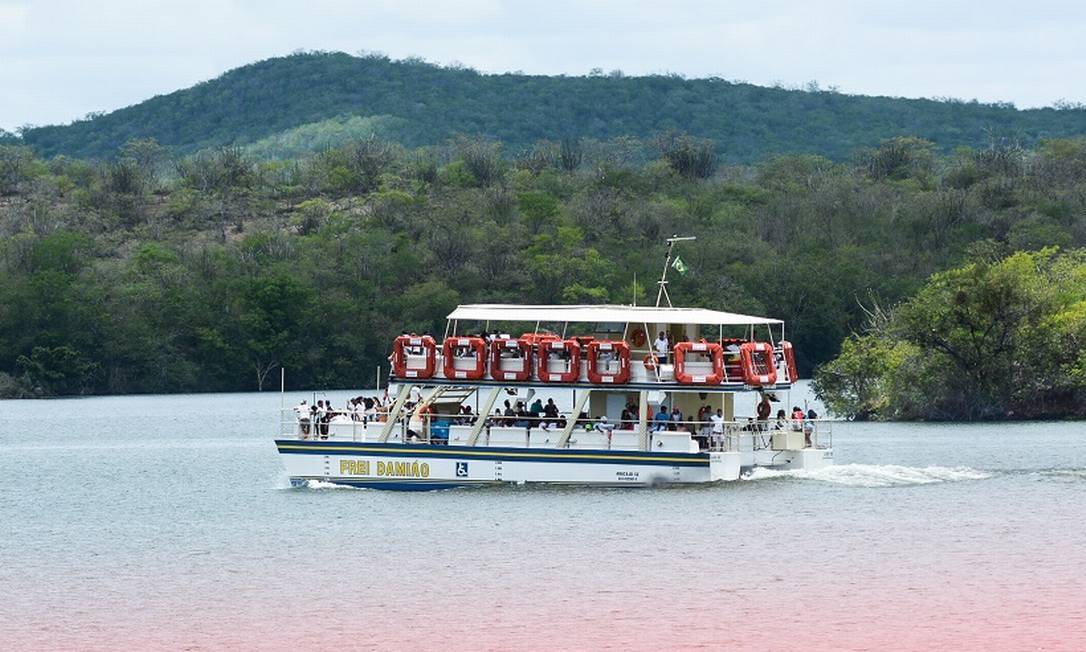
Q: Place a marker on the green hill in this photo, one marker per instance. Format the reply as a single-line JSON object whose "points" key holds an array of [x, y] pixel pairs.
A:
{"points": [[301, 102]]}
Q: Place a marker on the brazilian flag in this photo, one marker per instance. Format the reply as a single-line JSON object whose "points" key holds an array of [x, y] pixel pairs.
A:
{"points": [[679, 266]]}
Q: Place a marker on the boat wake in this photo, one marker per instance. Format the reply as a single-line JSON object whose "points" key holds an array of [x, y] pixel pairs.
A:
{"points": [[873, 475], [1069, 475]]}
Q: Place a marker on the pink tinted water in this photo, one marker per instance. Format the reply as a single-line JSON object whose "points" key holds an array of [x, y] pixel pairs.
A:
{"points": [[167, 534]]}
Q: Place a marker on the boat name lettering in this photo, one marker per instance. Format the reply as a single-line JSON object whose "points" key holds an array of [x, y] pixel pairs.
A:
{"points": [[386, 469]]}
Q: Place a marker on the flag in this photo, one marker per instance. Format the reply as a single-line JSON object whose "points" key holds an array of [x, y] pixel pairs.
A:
{"points": [[679, 266]]}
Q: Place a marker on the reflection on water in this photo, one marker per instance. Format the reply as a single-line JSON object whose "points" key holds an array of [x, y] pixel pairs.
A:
{"points": [[166, 522]]}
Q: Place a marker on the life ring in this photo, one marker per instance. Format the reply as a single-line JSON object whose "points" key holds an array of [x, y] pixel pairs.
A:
{"points": [[637, 337], [621, 350], [448, 358], [651, 362], [790, 360], [524, 354], [571, 374], [759, 367], [716, 355], [399, 356]]}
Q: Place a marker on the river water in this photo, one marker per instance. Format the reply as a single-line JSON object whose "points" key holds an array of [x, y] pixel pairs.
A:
{"points": [[165, 522]]}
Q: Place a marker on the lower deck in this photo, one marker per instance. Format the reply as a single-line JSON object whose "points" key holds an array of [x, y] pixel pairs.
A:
{"points": [[352, 454]]}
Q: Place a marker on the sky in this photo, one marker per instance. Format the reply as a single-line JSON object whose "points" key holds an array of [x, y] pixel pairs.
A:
{"points": [[60, 60]]}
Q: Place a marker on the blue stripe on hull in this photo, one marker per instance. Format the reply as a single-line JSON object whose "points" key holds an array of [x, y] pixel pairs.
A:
{"points": [[556, 455]]}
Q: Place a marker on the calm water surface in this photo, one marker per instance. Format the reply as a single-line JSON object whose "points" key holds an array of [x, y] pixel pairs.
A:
{"points": [[165, 522]]}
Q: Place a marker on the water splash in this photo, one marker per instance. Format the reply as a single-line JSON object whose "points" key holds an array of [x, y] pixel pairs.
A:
{"points": [[874, 475]]}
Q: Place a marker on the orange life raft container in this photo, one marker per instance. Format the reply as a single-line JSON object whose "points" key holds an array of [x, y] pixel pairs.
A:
{"points": [[759, 367], [548, 349], [621, 351], [400, 348], [711, 349], [523, 351], [449, 358]]}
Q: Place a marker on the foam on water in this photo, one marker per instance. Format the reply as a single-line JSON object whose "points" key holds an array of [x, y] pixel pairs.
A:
{"points": [[322, 485], [874, 475]]}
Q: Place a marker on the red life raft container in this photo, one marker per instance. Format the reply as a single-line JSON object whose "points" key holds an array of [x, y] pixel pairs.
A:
{"points": [[449, 358], [523, 352], [400, 348], [759, 368], [711, 349], [790, 360], [548, 349], [622, 353]]}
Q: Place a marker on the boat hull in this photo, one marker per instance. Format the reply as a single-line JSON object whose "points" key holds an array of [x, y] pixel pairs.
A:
{"points": [[427, 467]]}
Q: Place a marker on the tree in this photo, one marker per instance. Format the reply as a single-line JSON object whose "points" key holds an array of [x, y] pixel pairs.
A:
{"points": [[690, 157]]}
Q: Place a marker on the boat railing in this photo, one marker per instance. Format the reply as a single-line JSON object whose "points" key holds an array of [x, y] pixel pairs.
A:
{"points": [[433, 428]]}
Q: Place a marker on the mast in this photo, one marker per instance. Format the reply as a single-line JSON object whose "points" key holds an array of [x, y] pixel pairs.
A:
{"points": [[662, 292]]}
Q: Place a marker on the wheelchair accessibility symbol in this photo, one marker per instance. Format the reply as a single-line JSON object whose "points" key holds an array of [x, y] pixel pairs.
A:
{"points": [[461, 469]]}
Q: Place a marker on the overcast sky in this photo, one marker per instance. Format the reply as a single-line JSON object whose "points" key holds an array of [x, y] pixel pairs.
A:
{"points": [[60, 60]]}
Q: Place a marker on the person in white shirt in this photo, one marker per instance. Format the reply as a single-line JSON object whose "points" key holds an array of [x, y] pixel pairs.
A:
{"points": [[718, 426], [663, 347], [302, 411]]}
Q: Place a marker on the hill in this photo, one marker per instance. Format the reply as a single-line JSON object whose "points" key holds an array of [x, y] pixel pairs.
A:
{"points": [[310, 100]]}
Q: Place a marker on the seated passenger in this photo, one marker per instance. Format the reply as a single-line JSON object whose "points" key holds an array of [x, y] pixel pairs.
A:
{"points": [[550, 411], [605, 426], [510, 415], [676, 419]]}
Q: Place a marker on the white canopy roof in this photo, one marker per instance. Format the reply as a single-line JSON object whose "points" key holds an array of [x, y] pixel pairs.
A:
{"points": [[604, 314]]}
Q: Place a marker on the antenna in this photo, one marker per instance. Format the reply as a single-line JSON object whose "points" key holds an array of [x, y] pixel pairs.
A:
{"points": [[662, 293]]}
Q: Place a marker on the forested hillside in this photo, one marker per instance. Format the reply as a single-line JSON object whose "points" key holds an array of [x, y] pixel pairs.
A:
{"points": [[151, 275], [305, 102]]}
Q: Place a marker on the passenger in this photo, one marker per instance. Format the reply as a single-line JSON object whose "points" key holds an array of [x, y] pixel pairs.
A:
{"points": [[718, 427], [659, 422], [510, 415], [551, 411], [764, 410], [662, 346], [583, 421], [523, 416], [625, 421], [676, 419], [809, 426], [782, 420], [536, 412], [605, 426], [302, 412], [797, 419], [322, 420]]}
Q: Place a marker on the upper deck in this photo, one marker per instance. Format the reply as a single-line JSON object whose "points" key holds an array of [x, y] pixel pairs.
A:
{"points": [[600, 347]]}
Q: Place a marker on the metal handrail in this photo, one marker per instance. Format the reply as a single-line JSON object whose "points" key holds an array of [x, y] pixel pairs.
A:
{"points": [[724, 436]]}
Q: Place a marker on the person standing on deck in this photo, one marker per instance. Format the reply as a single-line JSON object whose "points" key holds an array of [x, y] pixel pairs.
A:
{"points": [[718, 426], [663, 347], [764, 410], [302, 410]]}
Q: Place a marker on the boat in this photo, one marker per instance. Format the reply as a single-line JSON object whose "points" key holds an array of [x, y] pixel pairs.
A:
{"points": [[621, 409]]}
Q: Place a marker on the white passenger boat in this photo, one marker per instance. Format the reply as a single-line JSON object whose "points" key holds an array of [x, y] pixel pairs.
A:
{"points": [[599, 361]]}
